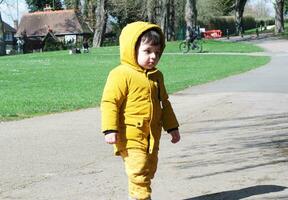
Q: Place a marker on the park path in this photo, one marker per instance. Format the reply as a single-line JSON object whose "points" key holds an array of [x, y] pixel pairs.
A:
{"points": [[234, 145]]}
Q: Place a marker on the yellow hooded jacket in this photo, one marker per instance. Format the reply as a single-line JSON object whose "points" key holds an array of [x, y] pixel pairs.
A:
{"points": [[135, 102]]}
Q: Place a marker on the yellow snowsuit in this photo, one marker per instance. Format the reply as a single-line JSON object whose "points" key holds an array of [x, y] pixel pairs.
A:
{"points": [[135, 104]]}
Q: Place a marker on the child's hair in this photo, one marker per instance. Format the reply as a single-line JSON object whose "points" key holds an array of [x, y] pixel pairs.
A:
{"points": [[151, 36]]}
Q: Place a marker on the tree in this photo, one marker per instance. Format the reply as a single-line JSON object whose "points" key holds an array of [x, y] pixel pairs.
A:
{"points": [[167, 18], [171, 21], [190, 17], [226, 6], [72, 4], [89, 12], [258, 10], [208, 9], [36, 5], [151, 11], [239, 10], [2, 43], [127, 11], [286, 7], [101, 20], [279, 16], [163, 15], [180, 19]]}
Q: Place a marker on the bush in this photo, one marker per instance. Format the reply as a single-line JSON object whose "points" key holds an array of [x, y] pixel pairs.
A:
{"points": [[52, 45], [222, 23], [263, 23], [225, 23], [270, 21], [249, 22]]}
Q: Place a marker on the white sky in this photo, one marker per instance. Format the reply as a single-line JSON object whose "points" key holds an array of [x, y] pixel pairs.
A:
{"points": [[9, 9], [269, 5]]}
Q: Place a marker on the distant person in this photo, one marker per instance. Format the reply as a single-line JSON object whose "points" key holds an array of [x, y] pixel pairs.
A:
{"points": [[190, 34], [20, 43], [85, 46], [135, 106]]}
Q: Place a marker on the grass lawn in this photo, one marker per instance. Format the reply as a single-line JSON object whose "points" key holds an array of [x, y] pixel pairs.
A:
{"points": [[253, 31], [284, 35], [41, 83], [215, 46]]}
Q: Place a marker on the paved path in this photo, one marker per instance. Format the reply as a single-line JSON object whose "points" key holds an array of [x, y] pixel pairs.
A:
{"points": [[234, 146]]}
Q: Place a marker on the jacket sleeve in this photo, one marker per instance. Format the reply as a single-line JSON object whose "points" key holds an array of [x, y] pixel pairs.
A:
{"points": [[169, 120], [113, 95]]}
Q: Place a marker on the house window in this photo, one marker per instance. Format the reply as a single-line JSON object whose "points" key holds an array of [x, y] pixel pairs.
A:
{"points": [[70, 39], [8, 37]]}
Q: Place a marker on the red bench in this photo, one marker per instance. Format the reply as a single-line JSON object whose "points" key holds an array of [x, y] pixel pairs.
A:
{"points": [[213, 34]]}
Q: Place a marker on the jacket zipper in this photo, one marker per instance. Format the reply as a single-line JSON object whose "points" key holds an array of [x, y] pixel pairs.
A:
{"points": [[149, 150]]}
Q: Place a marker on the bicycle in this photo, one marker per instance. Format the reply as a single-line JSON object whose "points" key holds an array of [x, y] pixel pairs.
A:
{"points": [[193, 46], [193, 42]]}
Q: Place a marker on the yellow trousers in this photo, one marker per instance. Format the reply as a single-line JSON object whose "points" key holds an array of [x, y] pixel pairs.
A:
{"points": [[140, 168]]}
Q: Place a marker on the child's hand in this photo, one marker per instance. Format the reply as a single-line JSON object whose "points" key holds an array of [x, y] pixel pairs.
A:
{"points": [[111, 138], [175, 136]]}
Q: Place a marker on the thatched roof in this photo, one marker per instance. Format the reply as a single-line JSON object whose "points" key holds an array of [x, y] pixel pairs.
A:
{"points": [[61, 22]]}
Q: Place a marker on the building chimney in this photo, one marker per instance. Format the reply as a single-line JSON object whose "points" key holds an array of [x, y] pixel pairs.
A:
{"points": [[16, 24]]}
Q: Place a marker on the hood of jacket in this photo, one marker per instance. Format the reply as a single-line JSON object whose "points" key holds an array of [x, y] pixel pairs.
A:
{"points": [[128, 39]]}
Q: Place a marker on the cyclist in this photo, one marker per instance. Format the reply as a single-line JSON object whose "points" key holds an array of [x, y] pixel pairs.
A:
{"points": [[192, 41], [191, 35]]}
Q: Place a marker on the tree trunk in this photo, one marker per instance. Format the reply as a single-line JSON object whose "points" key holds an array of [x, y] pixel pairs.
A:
{"points": [[91, 14], [239, 10], [279, 16], [167, 21], [163, 20], [158, 12], [171, 21], [2, 43], [101, 19], [190, 17], [151, 7]]}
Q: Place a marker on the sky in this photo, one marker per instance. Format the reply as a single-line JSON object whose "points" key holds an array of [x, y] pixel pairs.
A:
{"points": [[9, 9], [269, 5]]}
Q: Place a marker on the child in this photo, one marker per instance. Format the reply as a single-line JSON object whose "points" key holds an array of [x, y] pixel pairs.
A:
{"points": [[135, 106]]}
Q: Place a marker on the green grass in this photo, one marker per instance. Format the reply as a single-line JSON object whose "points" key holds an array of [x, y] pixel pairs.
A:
{"points": [[283, 35], [253, 31], [215, 46], [41, 83], [195, 70]]}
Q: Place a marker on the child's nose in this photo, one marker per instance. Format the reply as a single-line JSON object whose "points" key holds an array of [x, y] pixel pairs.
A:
{"points": [[153, 55]]}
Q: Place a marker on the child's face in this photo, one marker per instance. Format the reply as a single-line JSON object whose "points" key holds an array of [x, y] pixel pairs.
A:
{"points": [[148, 55]]}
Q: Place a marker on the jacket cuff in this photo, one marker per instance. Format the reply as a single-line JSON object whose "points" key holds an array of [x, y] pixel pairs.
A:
{"points": [[109, 131], [172, 129]]}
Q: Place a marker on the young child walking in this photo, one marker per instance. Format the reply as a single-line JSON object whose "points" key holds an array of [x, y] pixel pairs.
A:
{"points": [[135, 106]]}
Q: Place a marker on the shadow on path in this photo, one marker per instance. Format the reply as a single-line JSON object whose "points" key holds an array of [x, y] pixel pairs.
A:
{"points": [[242, 193], [240, 168]]}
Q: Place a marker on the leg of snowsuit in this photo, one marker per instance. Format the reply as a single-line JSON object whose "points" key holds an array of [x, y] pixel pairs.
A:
{"points": [[140, 168]]}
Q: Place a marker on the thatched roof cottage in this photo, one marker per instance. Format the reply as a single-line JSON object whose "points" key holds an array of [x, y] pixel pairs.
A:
{"points": [[65, 25]]}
